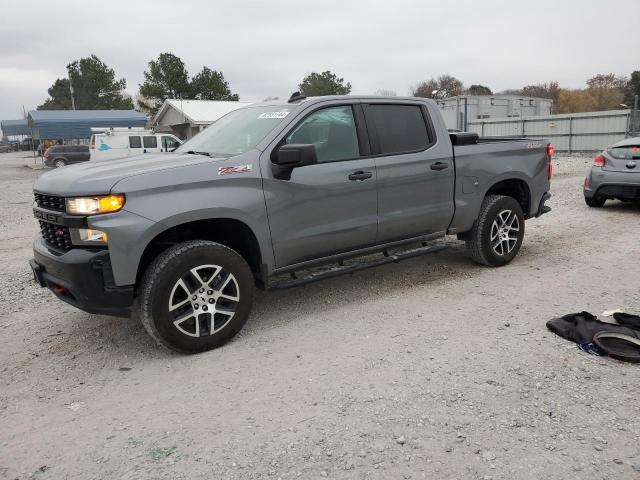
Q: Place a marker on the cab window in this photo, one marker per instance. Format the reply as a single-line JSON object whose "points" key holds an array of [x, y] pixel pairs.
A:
{"points": [[169, 143], [332, 131], [401, 128]]}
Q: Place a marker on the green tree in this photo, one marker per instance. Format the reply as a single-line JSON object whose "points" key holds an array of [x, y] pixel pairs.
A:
{"points": [[166, 78], [325, 83], [95, 87], [632, 88], [479, 90], [211, 85], [59, 96]]}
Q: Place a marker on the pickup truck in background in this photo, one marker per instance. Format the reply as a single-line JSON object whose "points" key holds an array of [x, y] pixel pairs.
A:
{"points": [[277, 195]]}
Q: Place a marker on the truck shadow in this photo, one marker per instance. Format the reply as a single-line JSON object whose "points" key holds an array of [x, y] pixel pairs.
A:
{"points": [[323, 298], [117, 336]]}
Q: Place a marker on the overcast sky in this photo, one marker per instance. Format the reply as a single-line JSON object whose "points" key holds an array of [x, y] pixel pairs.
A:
{"points": [[264, 48]]}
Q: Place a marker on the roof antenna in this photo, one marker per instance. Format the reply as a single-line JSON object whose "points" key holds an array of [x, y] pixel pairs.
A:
{"points": [[296, 96]]}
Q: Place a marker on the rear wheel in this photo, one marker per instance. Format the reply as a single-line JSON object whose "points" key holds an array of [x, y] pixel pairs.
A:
{"points": [[497, 235], [596, 202], [196, 296], [59, 162]]}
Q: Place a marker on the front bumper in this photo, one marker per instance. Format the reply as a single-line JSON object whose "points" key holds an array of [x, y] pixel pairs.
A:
{"points": [[82, 278]]}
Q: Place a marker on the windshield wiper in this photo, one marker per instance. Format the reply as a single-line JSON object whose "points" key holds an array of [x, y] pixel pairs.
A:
{"points": [[193, 152]]}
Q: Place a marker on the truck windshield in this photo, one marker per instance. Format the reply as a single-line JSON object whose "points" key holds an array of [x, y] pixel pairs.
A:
{"points": [[238, 131]]}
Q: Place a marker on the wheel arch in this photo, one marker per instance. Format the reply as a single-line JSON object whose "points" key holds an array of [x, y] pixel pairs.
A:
{"points": [[230, 232], [514, 187]]}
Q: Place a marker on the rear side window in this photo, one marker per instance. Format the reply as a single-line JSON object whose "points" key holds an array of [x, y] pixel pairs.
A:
{"points": [[150, 141], [135, 142], [401, 128]]}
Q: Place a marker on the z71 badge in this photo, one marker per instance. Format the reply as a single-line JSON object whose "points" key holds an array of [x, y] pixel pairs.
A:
{"points": [[238, 169]]}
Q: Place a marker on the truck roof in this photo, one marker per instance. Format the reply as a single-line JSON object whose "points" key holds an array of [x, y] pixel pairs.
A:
{"points": [[302, 100]]}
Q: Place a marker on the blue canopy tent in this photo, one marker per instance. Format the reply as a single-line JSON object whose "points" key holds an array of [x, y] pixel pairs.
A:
{"points": [[14, 128], [77, 124]]}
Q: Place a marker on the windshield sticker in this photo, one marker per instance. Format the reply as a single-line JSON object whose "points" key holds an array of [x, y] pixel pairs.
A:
{"points": [[238, 169], [273, 114]]}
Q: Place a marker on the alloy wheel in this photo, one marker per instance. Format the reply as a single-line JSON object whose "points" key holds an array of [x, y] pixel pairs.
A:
{"points": [[504, 232], [204, 300]]}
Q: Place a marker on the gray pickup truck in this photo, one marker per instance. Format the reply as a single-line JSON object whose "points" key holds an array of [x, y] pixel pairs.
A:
{"points": [[277, 195]]}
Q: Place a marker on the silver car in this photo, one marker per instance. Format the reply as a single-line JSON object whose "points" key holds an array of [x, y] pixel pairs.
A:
{"points": [[615, 174]]}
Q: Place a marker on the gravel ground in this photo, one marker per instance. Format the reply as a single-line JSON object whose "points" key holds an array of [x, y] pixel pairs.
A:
{"points": [[433, 368]]}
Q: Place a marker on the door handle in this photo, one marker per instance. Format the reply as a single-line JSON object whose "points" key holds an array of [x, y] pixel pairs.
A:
{"points": [[439, 166], [360, 175]]}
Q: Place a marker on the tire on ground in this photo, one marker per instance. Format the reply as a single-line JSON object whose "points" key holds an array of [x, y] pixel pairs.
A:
{"points": [[595, 202], [478, 242], [160, 278]]}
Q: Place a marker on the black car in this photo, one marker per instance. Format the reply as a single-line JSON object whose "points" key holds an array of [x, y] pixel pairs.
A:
{"points": [[61, 155]]}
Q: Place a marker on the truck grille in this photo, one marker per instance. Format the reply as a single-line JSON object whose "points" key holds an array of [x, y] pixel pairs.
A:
{"points": [[56, 235], [50, 202]]}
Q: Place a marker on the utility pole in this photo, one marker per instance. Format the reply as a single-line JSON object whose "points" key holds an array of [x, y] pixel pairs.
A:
{"points": [[636, 118], [73, 102]]}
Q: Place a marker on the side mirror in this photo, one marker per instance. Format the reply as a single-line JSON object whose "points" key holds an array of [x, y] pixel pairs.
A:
{"points": [[295, 155]]}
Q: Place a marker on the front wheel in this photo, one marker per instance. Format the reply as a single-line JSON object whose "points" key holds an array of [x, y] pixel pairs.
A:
{"points": [[196, 296], [497, 234]]}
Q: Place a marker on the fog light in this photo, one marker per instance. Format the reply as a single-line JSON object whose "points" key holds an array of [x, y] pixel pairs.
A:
{"points": [[90, 235]]}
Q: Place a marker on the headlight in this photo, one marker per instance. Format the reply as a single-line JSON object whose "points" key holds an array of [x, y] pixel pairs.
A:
{"points": [[95, 205], [88, 236]]}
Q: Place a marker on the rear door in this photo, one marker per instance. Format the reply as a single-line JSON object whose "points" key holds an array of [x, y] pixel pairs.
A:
{"points": [[415, 174], [72, 152], [329, 207]]}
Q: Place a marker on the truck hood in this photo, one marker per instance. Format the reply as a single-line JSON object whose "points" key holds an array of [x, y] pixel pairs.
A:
{"points": [[99, 176]]}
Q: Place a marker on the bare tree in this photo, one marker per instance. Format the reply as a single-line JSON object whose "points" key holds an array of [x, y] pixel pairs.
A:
{"points": [[444, 86]]}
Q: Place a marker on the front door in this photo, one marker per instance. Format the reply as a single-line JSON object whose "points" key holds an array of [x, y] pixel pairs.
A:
{"points": [[415, 173], [329, 207]]}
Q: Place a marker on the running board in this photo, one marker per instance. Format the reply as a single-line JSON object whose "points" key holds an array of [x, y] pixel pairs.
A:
{"points": [[295, 281]]}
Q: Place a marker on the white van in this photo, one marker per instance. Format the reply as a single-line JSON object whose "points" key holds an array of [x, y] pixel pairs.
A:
{"points": [[109, 143]]}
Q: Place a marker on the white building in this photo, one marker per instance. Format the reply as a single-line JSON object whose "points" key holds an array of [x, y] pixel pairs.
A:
{"points": [[185, 118], [459, 111]]}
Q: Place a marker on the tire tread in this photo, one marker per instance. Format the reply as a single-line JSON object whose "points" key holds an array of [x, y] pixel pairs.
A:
{"points": [[145, 296]]}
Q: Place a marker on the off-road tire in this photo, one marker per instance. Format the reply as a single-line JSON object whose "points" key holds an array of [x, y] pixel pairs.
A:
{"points": [[158, 282], [478, 241], [595, 202]]}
